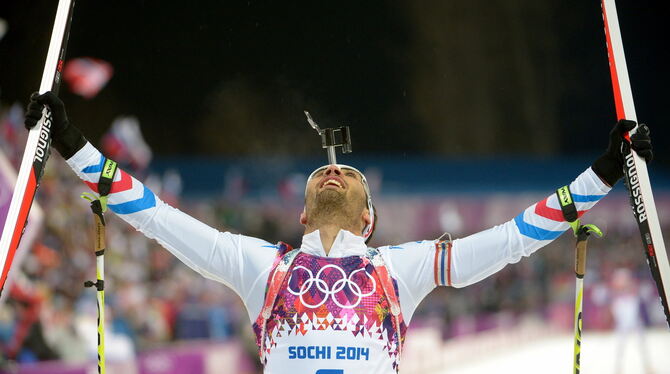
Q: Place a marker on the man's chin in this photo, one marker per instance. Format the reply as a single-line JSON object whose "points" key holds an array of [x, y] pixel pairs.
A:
{"points": [[330, 197]]}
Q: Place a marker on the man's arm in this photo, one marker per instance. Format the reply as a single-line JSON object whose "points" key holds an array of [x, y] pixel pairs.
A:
{"points": [[477, 256], [235, 260], [421, 266], [216, 255]]}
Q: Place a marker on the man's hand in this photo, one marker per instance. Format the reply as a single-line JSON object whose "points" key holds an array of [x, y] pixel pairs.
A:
{"points": [[609, 166], [67, 139], [34, 113]]}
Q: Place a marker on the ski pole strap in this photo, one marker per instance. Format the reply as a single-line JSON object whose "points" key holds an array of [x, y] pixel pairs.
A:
{"points": [[567, 204], [568, 207], [571, 215], [106, 180]]}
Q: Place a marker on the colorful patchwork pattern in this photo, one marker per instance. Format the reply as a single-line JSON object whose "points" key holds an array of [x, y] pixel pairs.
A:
{"points": [[339, 294]]}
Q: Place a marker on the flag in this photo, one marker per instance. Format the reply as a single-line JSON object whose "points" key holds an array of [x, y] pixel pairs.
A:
{"points": [[124, 144], [86, 76]]}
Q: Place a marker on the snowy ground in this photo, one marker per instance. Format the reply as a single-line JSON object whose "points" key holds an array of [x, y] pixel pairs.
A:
{"points": [[554, 355]]}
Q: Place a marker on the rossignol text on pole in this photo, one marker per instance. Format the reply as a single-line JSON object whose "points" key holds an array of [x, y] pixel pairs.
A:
{"points": [[37, 146], [635, 168]]}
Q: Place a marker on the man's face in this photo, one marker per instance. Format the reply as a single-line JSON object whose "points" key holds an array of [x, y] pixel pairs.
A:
{"points": [[335, 191]]}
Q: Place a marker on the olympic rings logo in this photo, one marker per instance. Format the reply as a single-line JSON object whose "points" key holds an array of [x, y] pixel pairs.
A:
{"points": [[328, 291]]}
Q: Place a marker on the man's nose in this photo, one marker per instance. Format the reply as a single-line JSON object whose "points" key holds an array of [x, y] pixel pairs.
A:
{"points": [[333, 169]]}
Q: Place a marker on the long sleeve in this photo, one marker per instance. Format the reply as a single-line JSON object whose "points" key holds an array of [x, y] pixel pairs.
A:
{"points": [[421, 266], [477, 256], [238, 261]]}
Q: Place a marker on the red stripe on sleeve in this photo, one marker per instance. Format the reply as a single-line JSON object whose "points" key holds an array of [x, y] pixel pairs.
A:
{"points": [[92, 186], [542, 210], [123, 184]]}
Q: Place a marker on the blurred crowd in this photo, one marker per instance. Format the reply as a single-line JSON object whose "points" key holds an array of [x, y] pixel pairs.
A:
{"points": [[543, 287], [153, 300]]}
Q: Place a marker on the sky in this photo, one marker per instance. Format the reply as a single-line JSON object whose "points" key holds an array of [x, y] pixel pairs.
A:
{"points": [[449, 78]]}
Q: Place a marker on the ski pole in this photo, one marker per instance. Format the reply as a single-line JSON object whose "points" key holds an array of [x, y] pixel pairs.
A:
{"points": [[98, 209], [582, 233]]}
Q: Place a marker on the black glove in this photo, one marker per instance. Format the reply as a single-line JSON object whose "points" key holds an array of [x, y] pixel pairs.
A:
{"points": [[66, 138], [609, 166]]}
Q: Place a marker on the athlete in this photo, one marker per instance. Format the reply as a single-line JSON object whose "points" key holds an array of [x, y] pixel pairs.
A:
{"points": [[333, 305]]}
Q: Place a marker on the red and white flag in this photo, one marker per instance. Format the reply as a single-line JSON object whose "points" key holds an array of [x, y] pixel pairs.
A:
{"points": [[124, 143], [86, 76]]}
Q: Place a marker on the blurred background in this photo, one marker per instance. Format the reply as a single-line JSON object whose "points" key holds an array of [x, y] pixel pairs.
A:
{"points": [[462, 114]]}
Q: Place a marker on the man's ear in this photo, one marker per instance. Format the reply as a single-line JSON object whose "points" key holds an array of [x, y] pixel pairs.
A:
{"points": [[366, 217], [303, 217]]}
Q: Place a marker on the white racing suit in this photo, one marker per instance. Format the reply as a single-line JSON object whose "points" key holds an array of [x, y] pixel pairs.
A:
{"points": [[331, 315]]}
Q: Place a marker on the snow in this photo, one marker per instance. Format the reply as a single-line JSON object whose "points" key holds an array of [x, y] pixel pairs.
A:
{"points": [[553, 354]]}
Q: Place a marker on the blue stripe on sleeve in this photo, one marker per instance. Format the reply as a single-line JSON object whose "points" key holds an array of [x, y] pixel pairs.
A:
{"points": [[442, 269], [95, 168], [535, 232], [148, 200], [586, 198]]}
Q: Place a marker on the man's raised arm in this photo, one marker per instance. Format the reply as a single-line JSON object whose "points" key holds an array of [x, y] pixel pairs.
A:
{"points": [[477, 256], [421, 266], [235, 260]]}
